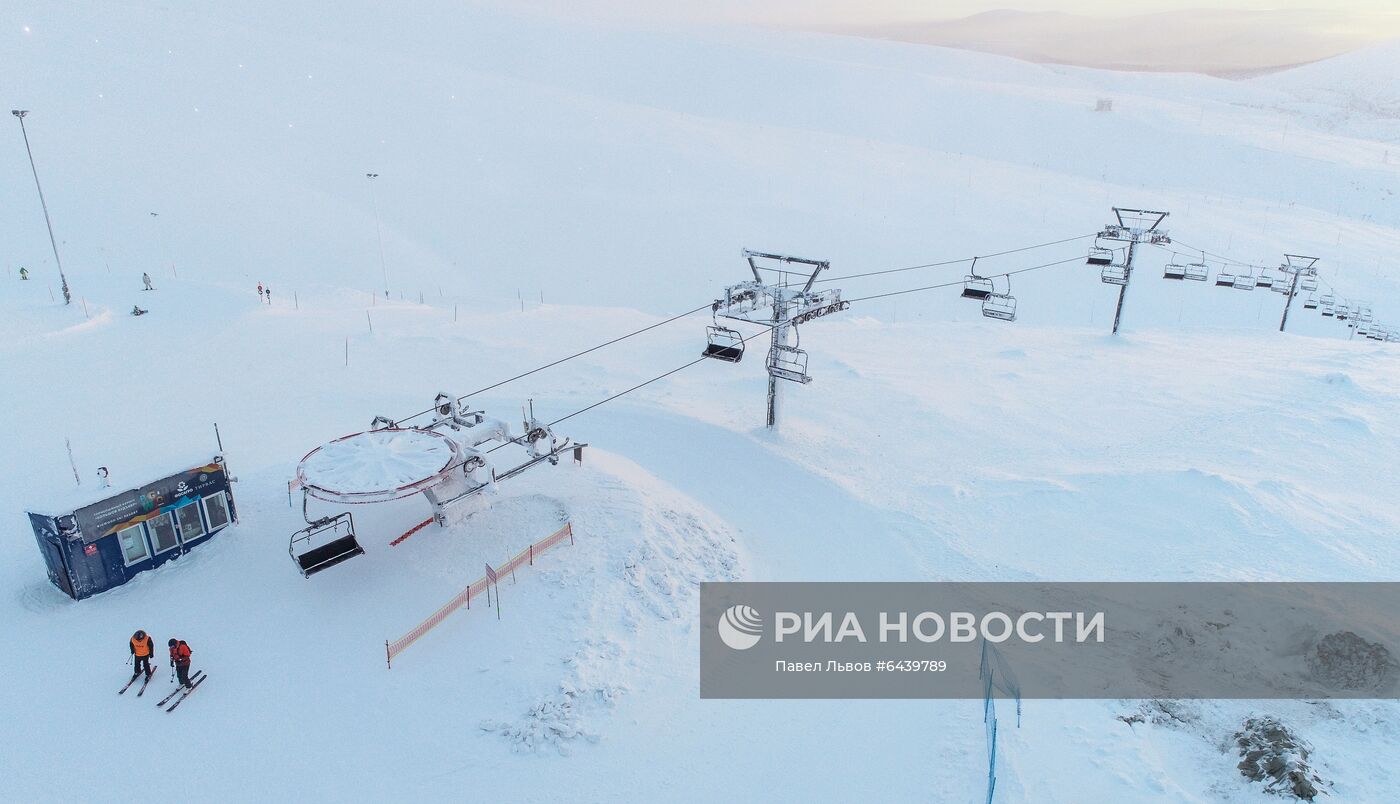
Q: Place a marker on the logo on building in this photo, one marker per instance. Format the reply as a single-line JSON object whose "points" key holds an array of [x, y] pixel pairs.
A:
{"points": [[740, 627]]}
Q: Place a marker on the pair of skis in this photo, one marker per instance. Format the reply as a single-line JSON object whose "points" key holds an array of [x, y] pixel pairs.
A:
{"points": [[141, 691], [182, 692]]}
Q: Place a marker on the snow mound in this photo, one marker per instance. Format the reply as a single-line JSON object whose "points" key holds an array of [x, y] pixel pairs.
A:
{"points": [[1363, 81]]}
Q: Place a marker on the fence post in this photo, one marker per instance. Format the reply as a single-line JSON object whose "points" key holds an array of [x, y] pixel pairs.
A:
{"points": [[388, 658], [532, 555]]}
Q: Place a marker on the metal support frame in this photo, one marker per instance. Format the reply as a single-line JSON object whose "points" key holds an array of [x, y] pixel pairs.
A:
{"points": [[1297, 265], [780, 305], [1134, 226]]}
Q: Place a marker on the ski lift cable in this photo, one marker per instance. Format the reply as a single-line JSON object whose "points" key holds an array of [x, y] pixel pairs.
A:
{"points": [[957, 262], [766, 328], [639, 385], [1007, 274], [553, 363], [1208, 257], [1231, 261]]}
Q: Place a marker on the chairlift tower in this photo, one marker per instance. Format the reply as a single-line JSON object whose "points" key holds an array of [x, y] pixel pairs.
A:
{"points": [[1134, 226], [1296, 265], [781, 300]]}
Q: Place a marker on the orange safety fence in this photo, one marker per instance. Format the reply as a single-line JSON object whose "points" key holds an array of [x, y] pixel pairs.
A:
{"points": [[525, 557]]}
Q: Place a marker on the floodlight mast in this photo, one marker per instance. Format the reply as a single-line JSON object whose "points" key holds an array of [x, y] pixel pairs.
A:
{"points": [[63, 280], [1297, 265], [1134, 226]]}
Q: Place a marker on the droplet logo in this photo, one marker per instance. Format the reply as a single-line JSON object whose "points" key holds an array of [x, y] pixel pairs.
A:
{"points": [[740, 627]]}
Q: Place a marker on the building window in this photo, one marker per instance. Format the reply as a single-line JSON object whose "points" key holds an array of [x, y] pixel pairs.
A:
{"points": [[216, 510], [163, 533], [133, 542], [190, 526]]}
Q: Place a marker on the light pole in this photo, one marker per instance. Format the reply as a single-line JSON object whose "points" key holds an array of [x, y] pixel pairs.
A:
{"points": [[377, 233], [20, 113]]}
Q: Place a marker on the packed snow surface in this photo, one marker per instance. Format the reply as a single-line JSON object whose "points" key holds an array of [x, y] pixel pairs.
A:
{"points": [[547, 186]]}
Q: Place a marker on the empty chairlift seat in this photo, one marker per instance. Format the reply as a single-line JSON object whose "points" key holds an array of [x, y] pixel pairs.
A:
{"points": [[724, 344], [1174, 271], [788, 363], [1310, 303], [1264, 281], [1245, 282], [1098, 255], [1308, 283], [1114, 274], [1197, 272], [1001, 306], [976, 287], [324, 543], [1224, 280]]}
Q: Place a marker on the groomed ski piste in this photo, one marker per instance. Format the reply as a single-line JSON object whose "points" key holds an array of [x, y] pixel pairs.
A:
{"points": [[618, 172]]}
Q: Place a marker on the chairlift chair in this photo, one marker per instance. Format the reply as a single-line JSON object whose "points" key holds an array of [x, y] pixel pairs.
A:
{"points": [[1197, 272], [1308, 283], [1224, 280], [788, 363], [334, 537], [1174, 270], [1264, 280], [1343, 312], [1114, 274], [1310, 303], [724, 344], [976, 287], [1001, 306], [1245, 281], [1281, 287], [1098, 255]]}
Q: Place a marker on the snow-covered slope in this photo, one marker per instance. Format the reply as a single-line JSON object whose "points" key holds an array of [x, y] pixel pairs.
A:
{"points": [[1355, 93], [622, 170]]}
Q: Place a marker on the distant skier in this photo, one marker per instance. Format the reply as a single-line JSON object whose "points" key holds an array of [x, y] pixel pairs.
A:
{"points": [[142, 649], [24, 274], [260, 291], [146, 279], [180, 660], [136, 310], [268, 291]]}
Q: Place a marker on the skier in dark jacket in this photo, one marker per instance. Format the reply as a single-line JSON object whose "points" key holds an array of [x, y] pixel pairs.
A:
{"points": [[142, 649], [180, 660]]}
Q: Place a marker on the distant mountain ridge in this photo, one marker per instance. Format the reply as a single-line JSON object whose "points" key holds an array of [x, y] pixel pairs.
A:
{"points": [[1226, 43]]}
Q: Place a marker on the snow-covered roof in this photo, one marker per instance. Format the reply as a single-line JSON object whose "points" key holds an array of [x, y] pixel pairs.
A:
{"points": [[377, 465], [122, 479]]}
